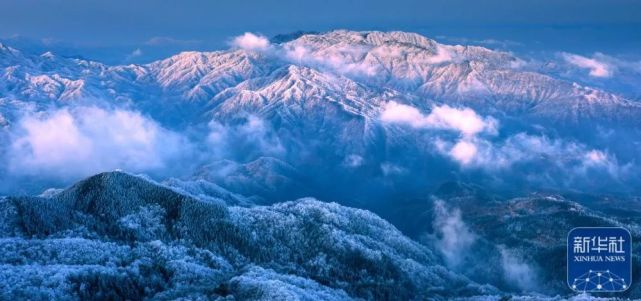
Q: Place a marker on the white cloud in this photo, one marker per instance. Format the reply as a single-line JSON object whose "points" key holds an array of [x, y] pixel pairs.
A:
{"points": [[253, 135], [86, 140], [596, 157], [472, 151], [571, 157], [454, 238], [250, 41], [296, 53], [600, 160], [463, 152], [443, 54], [343, 59], [134, 54], [517, 271], [464, 120], [597, 68], [399, 113]]}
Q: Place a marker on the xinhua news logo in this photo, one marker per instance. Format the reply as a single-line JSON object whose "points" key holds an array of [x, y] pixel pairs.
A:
{"points": [[599, 259]]}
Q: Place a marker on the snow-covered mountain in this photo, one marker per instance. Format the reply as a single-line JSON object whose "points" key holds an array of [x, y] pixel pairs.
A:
{"points": [[356, 70], [469, 75], [525, 235], [315, 101], [117, 235], [120, 236]]}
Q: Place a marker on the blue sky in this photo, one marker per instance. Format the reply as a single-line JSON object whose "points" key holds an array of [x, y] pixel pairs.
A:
{"points": [[113, 30]]}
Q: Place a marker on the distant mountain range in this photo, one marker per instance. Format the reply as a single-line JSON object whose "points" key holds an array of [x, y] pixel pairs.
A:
{"points": [[330, 88], [344, 66]]}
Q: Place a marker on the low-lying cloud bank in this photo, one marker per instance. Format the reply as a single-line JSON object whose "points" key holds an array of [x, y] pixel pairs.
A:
{"points": [[478, 145], [64, 144], [465, 251], [521, 148], [454, 238], [251, 138], [602, 66], [80, 141], [517, 271]]}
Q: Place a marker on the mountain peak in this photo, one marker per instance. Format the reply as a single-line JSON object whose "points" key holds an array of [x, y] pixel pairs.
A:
{"points": [[361, 67], [372, 38], [283, 38]]}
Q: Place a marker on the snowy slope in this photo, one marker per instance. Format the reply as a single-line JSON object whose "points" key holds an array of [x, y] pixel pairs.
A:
{"points": [[315, 102], [468, 75], [123, 236], [356, 70]]}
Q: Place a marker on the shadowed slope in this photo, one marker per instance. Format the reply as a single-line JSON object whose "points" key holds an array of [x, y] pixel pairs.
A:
{"points": [[115, 235]]}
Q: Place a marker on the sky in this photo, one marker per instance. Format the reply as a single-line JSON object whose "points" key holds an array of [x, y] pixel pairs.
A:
{"points": [[119, 31]]}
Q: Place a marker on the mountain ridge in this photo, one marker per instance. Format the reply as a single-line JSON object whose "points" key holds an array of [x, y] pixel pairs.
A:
{"points": [[407, 63], [130, 218]]}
